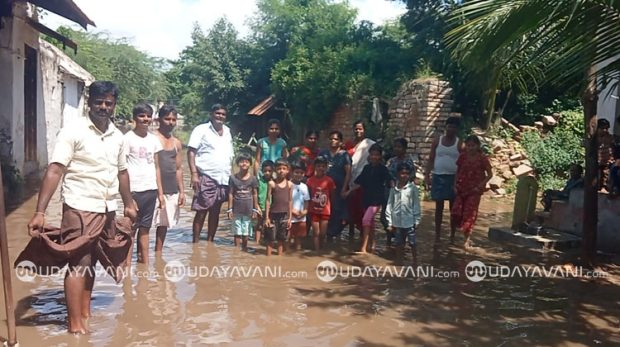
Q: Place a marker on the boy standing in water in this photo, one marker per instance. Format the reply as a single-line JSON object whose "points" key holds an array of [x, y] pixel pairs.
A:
{"points": [[322, 189], [242, 200], [474, 171], [267, 169], [403, 211], [171, 171], [445, 151], [278, 208], [142, 150], [301, 196]]}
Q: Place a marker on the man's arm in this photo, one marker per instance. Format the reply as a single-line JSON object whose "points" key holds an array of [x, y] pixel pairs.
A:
{"points": [[160, 187], [52, 177], [259, 154], [125, 190], [191, 161], [431, 162]]}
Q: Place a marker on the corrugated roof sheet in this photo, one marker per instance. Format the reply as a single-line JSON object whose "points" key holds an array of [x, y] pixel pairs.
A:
{"points": [[263, 107]]}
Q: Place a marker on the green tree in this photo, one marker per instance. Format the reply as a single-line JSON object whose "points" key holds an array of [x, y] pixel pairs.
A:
{"points": [[138, 76], [582, 38], [211, 70], [320, 58]]}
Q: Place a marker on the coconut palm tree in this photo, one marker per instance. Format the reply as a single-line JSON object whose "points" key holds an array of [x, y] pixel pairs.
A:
{"points": [[563, 42]]}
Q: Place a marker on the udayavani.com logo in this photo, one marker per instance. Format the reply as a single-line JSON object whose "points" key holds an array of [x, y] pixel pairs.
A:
{"points": [[477, 271], [328, 271]]}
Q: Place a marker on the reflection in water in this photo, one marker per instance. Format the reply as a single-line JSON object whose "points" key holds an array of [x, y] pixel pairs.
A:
{"points": [[148, 310]]}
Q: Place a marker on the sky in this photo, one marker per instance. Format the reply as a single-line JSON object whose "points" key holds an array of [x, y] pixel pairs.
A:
{"points": [[163, 27]]}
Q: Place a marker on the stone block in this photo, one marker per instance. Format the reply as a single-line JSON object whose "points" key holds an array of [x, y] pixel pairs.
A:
{"points": [[522, 170]]}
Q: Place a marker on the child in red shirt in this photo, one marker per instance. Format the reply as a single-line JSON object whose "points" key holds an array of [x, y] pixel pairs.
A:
{"points": [[473, 173], [321, 189]]}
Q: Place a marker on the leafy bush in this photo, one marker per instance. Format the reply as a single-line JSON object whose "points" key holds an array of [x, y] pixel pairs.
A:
{"points": [[552, 155], [572, 121]]}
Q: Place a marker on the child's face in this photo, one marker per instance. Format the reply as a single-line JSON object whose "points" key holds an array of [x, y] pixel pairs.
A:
{"points": [[282, 171], [142, 121], [374, 157], [320, 169], [268, 173], [298, 175], [603, 130], [398, 149], [168, 122], [274, 130], [244, 164], [471, 147], [403, 175]]}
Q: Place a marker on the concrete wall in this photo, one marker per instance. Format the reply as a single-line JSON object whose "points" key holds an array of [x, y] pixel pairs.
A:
{"points": [[568, 217], [608, 106]]}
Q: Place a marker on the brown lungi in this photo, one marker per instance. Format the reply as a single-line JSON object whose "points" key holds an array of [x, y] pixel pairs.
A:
{"points": [[83, 238]]}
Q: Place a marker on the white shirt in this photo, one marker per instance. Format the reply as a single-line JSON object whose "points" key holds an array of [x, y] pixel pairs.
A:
{"points": [[300, 196], [214, 152], [403, 207], [93, 160], [141, 160]]}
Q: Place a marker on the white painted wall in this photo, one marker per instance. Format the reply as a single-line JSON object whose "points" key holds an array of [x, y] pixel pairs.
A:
{"points": [[60, 92]]}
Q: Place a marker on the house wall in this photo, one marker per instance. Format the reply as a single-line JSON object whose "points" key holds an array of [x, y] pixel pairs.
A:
{"points": [[14, 35], [608, 107], [59, 87], [567, 216]]}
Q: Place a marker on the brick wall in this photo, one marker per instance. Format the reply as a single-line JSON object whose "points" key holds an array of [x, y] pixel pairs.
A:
{"points": [[418, 113]]}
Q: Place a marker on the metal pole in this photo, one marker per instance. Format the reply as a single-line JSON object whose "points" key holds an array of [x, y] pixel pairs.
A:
{"points": [[6, 271]]}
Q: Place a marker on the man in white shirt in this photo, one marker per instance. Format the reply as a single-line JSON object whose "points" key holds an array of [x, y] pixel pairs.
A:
{"points": [[90, 154], [210, 155]]}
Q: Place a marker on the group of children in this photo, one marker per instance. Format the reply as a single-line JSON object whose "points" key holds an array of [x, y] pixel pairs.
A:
{"points": [[286, 200], [277, 199]]}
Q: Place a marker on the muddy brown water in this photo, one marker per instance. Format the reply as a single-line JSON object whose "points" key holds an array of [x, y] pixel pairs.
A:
{"points": [[291, 306]]}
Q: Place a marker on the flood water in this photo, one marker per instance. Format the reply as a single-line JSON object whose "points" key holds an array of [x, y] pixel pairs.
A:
{"points": [[291, 306]]}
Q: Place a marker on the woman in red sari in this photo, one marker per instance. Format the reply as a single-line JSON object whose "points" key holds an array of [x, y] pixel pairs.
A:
{"points": [[472, 175]]}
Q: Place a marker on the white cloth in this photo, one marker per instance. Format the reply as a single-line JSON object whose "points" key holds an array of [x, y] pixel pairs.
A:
{"points": [[360, 158], [300, 196], [168, 216], [93, 160], [403, 207], [141, 153], [445, 158], [214, 152]]}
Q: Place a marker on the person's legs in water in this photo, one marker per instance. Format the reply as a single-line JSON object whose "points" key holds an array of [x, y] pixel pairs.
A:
{"points": [[197, 225], [78, 285], [214, 220], [368, 229]]}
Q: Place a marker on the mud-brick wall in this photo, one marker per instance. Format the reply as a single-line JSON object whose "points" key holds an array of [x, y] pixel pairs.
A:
{"points": [[418, 113], [342, 119]]}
